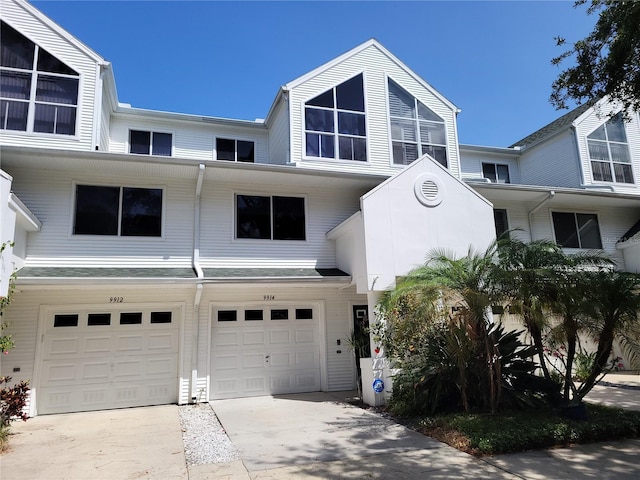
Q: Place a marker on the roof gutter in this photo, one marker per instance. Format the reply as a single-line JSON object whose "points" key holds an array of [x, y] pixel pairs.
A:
{"points": [[550, 195]]}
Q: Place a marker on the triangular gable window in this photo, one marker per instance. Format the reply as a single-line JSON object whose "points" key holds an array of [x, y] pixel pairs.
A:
{"points": [[51, 106], [609, 152], [415, 128], [335, 123]]}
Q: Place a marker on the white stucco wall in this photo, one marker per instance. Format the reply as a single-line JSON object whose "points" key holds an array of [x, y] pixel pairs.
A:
{"points": [[400, 230]]}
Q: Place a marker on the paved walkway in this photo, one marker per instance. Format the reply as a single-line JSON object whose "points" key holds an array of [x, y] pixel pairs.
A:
{"points": [[308, 436]]}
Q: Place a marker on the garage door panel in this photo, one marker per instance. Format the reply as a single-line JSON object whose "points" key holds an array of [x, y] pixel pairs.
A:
{"points": [[91, 367], [279, 337], [253, 338], [278, 354]]}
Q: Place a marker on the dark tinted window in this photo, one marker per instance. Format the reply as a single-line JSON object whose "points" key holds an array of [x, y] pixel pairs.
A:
{"points": [[253, 315], [49, 63], [162, 144], [142, 212], [226, 149], [323, 100], [350, 95], [65, 321], [98, 319], [16, 50], [160, 317], [500, 220], [245, 151], [139, 142], [227, 315], [253, 217], [131, 318], [304, 313], [96, 210], [288, 218], [280, 314]]}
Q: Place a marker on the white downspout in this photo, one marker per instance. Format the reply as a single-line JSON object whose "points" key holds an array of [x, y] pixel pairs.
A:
{"points": [[195, 326], [550, 195]]}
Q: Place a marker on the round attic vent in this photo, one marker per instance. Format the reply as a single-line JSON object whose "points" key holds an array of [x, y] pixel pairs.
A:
{"points": [[429, 190]]}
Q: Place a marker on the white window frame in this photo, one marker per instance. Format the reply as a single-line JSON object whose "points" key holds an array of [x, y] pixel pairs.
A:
{"points": [[235, 140], [32, 102], [336, 136], [136, 238], [575, 213], [234, 232], [495, 166], [150, 132], [417, 121], [611, 162]]}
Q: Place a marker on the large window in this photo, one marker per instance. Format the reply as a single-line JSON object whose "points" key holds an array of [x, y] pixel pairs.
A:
{"points": [[496, 172], [123, 211], [150, 143], [270, 217], [415, 129], [609, 152], [335, 123], [577, 230], [235, 150], [38, 93]]}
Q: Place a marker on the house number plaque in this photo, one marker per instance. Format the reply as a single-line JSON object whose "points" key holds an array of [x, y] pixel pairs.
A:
{"points": [[116, 299], [269, 297]]}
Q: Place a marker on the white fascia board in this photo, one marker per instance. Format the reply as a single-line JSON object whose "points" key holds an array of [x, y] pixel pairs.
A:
{"points": [[124, 109], [60, 31], [282, 92], [345, 227], [89, 281], [24, 215], [371, 42], [562, 191], [507, 151]]}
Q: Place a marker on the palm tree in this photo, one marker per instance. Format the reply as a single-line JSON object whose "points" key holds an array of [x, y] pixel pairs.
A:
{"points": [[613, 313]]}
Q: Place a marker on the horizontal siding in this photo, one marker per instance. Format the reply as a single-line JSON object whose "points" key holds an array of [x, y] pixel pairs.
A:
{"points": [[471, 165], [105, 123], [30, 26], [632, 128], [279, 134], [326, 208], [376, 66], [189, 140], [49, 195], [553, 163], [24, 313]]}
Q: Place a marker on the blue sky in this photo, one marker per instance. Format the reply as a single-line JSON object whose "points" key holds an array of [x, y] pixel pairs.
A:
{"points": [[228, 59]]}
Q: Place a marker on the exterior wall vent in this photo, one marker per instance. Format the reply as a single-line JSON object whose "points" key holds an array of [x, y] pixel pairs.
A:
{"points": [[429, 190]]}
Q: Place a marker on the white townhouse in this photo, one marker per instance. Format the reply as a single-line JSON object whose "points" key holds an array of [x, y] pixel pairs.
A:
{"points": [[173, 258]]}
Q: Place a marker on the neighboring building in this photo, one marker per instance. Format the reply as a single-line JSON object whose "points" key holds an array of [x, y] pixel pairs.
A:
{"points": [[166, 258]]}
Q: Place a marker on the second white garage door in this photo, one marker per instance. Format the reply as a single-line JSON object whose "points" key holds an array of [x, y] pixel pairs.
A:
{"points": [[258, 350]]}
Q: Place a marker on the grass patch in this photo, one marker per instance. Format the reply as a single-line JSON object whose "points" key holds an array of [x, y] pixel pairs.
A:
{"points": [[486, 434]]}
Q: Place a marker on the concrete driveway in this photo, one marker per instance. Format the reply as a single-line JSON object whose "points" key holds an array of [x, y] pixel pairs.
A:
{"points": [[317, 435], [130, 443]]}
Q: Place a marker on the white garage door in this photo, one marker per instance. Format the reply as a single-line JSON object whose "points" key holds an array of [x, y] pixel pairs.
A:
{"points": [[264, 350], [95, 360]]}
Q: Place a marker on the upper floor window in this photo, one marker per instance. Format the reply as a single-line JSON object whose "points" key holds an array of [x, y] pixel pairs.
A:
{"points": [[609, 152], [577, 230], [270, 217], [235, 150], [122, 211], [38, 93], [335, 125], [496, 172], [415, 129], [150, 143]]}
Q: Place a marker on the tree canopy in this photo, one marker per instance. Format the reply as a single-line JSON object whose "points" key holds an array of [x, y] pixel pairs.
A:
{"points": [[607, 61]]}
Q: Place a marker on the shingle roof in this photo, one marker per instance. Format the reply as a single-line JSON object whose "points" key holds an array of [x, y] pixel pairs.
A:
{"points": [[225, 273], [632, 232], [553, 127], [82, 272], [180, 273]]}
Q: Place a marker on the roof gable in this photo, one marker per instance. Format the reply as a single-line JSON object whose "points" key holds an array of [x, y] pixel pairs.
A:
{"points": [[371, 43]]}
